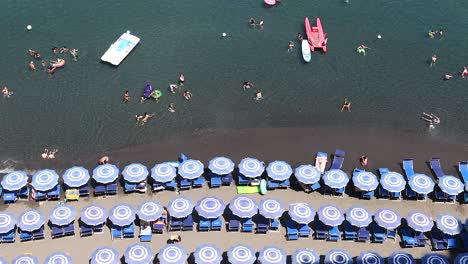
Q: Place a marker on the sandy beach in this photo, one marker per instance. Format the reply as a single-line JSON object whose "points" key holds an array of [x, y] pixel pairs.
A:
{"points": [[295, 145]]}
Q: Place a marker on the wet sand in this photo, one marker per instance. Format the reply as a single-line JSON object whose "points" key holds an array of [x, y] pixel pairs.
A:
{"points": [[295, 145]]}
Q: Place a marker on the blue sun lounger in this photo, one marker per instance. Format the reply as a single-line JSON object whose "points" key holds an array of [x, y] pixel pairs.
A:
{"points": [[86, 230], [204, 224], [262, 226], [363, 234], [304, 230], [111, 188], [54, 193], [10, 197], [349, 231], [99, 190], [116, 232], [463, 168], [198, 182], [337, 163], [436, 168], [408, 168], [408, 238], [38, 234], [247, 225], [25, 236], [215, 180], [129, 231], [291, 230], [334, 234], [320, 231], [187, 223], [57, 232], [234, 225], [216, 224], [8, 237]]}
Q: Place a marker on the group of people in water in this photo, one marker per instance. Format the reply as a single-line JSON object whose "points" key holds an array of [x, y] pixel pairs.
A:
{"points": [[463, 73], [252, 22], [433, 33], [258, 94], [53, 65]]}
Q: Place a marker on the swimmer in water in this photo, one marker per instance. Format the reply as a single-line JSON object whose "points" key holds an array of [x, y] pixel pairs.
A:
{"points": [[346, 105], [43, 63], [448, 76], [181, 79], [146, 117], [51, 154], [32, 67], [55, 50], [261, 23], [171, 108], [173, 88], [6, 92], [252, 21], [431, 33], [126, 97], [63, 49], [51, 69], [464, 73], [74, 53], [258, 95], [45, 154], [247, 85], [187, 95], [290, 45], [433, 60], [299, 37], [441, 32]]}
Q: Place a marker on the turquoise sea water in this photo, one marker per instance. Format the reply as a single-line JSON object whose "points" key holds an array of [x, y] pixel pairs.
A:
{"points": [[79, 109]]}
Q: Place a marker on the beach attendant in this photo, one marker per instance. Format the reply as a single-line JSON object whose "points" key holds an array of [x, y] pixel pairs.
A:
{"points": [[126, 97], [346, 105]]}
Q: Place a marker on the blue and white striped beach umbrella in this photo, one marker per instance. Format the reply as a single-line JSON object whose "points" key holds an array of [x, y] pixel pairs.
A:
{"points": [[365, 181], [461, 259], [210, 207], [172, 254], [62, 215], [138, 253], [58, 258], [180, 207], [241, 254], [105, 255], [301, 213], [3, 261], [93, 215], [106, 173], [135, 172], [401, 258], [15, 180], [449, 224], [421, 183], [358, 216], [338, 256], [387, 218], [7, 222], [76, 177], [279, 170], [305, 256], [252, 168], [307, 174], [243, 206], [44, 180], [450, 185], [335, 178], [149, 211], [221, 165], [208, 254], [163, 172], [122, 214], [271, 208], [393, 182], [330, 215], [434, 258], [420, 222], [370, 257], [25, 259], [272, 255], [191, 169], [31, 220]]}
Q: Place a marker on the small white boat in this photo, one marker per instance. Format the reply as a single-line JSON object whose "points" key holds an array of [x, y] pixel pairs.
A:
{"points": [[120, 49], [306, 53]]}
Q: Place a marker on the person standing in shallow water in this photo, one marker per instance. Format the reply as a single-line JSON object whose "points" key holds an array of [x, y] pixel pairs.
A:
{"points": [[126, 97], [346, 105]]}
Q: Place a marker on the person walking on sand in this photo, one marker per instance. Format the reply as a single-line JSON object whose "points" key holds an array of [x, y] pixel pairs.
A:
{"points": [[126, 97], [433, 60], [346, 105]]}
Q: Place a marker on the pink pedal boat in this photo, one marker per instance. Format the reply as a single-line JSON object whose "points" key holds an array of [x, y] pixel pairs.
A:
{"points": [[269, 2], [315, 35]]}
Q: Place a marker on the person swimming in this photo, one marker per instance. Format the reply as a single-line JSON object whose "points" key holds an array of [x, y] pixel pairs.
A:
{"points": [[252, 21], [51, 69], [74, 53], [441, 32], [299, 37], [171, 108], [247, 85], [34, 54], [181, 79], [261, 22], [43, 63], [290, 45], [45, 154], [55, 50], [31, 66], [464, 72], [258, 95], [126, 97], [63, 49], [433, 60], [448, 76], [146, 117], [362, 49], [173, 88], [187, 95], [431, 33], [6, 92], [51, 154], [430, 118]]}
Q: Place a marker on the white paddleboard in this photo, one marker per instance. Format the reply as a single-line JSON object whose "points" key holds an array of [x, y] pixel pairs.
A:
{"points": [[306, 53]]}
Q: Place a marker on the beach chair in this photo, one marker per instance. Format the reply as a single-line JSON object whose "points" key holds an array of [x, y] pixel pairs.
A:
{"points": [[99, 190], [129, 187], [175, 224], [291, 230], [453, 242], [38, 234], [337, 163], [141, 187], [304, 230], [410, 194], [129, 231], [158, 186], [463, 168], [204, 224], [438, 242], [10, 197], [234, 225], [271, 185], [339, 192], [247, 225], [98, 228], [226, 180], [363, 235], [215, 180], [72, 194], [284, 184], [321, 231], [187, 223], [408, 168], [145, 233], [172, 185], [25, 236], [421, 239], [408, 238], [340, 153], [198, 182], [54, 194], [436, 168], [367, 195], [57, 232], [392, 234], [8, 237], [84, 190], [243, 180], [69, 230], [158, 227], [39, 196], [464, 240], [116, 232], [185, 184], [378, 234], [334, 234], [24, 192], [274, 225], [216, 224], [440, 196], [145, 238], [383, 194], [349, 231], [1, 191], [111, 188], [85, 230], [315, 186]]}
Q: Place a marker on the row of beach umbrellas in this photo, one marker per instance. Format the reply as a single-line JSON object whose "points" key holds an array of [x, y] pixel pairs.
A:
{"points": [[45, 180], [238, 254], [241, 206]]}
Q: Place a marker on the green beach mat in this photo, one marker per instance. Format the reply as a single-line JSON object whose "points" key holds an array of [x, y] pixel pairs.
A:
{"points": [[248, 189]]}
